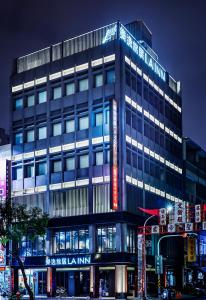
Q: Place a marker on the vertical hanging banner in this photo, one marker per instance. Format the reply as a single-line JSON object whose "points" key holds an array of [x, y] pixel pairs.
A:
{"points": [[163, 216], [180, 213], [191, 249], [198, 213], [114, 170], [140, 267]]}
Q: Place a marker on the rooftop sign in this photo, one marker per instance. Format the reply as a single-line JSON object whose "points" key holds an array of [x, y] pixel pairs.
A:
{"points": [[133, 44]]}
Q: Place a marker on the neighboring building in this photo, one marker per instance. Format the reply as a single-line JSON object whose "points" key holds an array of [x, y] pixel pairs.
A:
{"points": [[5, 190], [4, 138], [194, 170], [96, 132]]}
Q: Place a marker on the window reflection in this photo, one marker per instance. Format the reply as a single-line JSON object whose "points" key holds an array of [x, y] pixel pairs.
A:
{"points": [[106, 239], [70, 242]]}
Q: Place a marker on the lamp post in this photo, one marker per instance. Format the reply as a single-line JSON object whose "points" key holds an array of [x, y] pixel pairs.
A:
{"points": [[145, 256]]}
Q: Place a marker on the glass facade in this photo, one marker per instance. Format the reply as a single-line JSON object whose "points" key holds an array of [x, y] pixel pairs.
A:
{"points": [[32, 248], [71, 242], [106, 239]]}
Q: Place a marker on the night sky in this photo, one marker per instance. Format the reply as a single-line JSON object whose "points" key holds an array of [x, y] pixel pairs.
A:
{"points": [[179, 38]]}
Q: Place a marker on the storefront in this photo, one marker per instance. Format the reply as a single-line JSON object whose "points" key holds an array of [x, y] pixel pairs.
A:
{"points": [[77, 276]]}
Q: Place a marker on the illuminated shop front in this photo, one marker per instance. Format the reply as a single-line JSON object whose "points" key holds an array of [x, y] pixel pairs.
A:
{"points": [[71, 269]]}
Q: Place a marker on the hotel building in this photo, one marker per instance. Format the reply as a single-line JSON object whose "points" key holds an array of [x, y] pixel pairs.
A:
{"points": [[96, 133]]}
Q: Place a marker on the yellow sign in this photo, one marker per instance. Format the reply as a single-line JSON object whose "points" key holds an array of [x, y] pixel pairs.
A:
{"points": [[191, 249]]}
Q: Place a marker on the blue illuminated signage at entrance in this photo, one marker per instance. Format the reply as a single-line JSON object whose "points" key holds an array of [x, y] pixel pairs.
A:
{"points": [[131, 42], [71, 260]]}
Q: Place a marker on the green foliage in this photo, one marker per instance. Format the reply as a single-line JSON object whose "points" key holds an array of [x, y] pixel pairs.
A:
{"points": [[16, 222]]}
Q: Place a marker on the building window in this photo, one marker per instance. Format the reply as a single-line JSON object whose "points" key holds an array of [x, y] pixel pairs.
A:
{"points": [[29, 170], [106, 239], [57, 92], [107, 156], [18, 103], [70, 88], [56, 166], [98, 119], [83, 84], [69, 126], [30, 100], [30, 136], [37, 247], [71, 242], [70, 163], [18, 138], [42, 97], [83, 123], [83, 161], [98, 80], [107, 114], [17, 173], [99, 158], [131, 240], [42, 133], [110, 76], [56, 129], [41, 168]]}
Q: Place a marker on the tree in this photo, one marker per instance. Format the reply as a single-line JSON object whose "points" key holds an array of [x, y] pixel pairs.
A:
{"points": [[17, 222]]}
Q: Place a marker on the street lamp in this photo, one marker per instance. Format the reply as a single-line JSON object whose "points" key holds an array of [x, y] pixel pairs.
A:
{"points": [[145, 256]]}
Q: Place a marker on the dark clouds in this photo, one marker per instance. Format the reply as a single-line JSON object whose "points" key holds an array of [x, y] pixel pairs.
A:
{"points": [[179, 38]]}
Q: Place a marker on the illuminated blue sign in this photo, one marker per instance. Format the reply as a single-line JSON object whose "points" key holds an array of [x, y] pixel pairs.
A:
{"points": [[110, 34], [125, 36], [142, 53], [71, 260]]}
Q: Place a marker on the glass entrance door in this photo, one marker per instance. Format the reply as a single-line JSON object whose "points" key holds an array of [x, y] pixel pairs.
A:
{"points": [[37, 280], [82, 283]]}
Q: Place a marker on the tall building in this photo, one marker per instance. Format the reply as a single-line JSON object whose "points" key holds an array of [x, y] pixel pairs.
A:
{"points": [[194, 170], [5, 190], [96, 133]]}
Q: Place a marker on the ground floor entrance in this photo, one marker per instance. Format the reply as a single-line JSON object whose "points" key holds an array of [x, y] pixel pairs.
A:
{"points": [[37, 280], [93, 281], [72, 282]]}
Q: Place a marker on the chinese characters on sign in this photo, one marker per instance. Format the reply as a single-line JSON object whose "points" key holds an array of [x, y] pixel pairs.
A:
{"points": [[198, 213], [80, 260], [114, 158], [141, 52], [191, 252], [179, 213], [163, 216]]}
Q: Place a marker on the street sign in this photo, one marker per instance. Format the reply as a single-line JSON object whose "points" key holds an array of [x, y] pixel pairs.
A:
{"points": [[158, 264]]}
